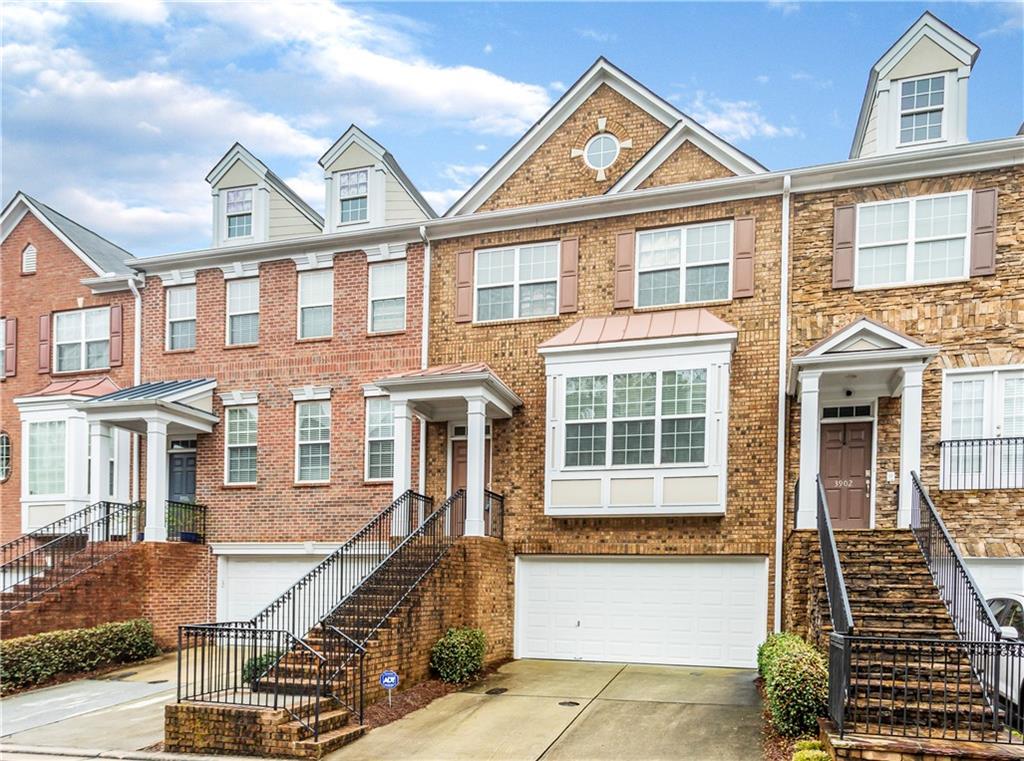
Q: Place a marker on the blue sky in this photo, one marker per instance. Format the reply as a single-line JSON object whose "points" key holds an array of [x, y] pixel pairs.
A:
{"points": [[113, 113]]}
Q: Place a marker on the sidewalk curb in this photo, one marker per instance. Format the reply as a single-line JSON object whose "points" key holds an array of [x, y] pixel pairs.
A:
{"points": [[131, 755]]}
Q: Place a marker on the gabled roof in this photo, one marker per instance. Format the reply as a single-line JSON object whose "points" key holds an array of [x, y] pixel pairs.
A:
{"points": [[601, 72], [355, 135], [677, 323], [927, 26], [239, 152], [98, 253], [863, 334]]}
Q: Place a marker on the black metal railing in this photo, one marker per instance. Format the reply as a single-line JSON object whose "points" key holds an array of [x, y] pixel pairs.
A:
{"points": [[186, 522], [39, 562], [996, 463], [494, 514], [345, 673], [835, 585]]}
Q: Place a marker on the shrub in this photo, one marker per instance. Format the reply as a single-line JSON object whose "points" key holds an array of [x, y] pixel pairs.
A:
{"points": [[459, 654], [257, 664], [39, 658], [795, 684], [811, 754], [807, 745]]}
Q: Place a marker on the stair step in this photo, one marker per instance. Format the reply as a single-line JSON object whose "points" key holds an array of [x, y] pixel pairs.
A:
{"points": [[332, 740], [330, 721]]}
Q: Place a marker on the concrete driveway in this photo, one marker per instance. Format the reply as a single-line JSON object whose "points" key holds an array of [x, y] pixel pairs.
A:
{"points": [[581, 711], [123, 710]]}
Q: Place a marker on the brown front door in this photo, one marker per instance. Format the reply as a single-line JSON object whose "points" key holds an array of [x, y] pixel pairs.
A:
{"points": [[846, 473], [459, 464]]}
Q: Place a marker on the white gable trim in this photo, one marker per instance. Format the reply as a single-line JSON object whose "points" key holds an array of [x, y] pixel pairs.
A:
{"points": [[863, 329], [16, 210], [352, 135], [237, 152]]}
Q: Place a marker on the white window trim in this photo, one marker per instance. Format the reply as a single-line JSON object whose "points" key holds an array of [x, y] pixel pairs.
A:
{"points": [[586, 151], [82, 342], [376, 266], [168, 320], [228, 447], [232, 240], [330, 447], [366, 441], [69, 432], [29, 250], [299, 306], [6, 436], [948, 94], [683, 265], [911, 242], [369, 195], [3, 347], [228, 314], [516, 283]]}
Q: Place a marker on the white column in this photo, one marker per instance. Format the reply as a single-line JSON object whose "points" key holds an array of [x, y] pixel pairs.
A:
{"points": [[910, 439], [402, 465], [156, 480], [810, 432], [99, 454], [476, 423]]}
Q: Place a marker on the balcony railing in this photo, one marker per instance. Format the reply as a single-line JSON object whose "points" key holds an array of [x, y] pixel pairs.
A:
{"points": [[494, 514], [186, 522], [968, 464]]}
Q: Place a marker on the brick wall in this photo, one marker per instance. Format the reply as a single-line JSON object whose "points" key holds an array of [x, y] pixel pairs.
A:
{"points": [[54, 287], [688, 163], [277, 509]]}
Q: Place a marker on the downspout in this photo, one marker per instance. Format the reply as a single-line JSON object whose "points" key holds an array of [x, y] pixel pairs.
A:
{"points": [[780, 453], [136, 379], [424, 357]]}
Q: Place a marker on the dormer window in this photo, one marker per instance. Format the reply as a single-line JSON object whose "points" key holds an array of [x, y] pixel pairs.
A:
{"points": [[238, 207], [921, 105], [353, 195]]}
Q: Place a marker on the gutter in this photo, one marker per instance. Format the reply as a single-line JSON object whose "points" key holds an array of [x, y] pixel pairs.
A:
{"points": [[133, 286], [780, 431]]}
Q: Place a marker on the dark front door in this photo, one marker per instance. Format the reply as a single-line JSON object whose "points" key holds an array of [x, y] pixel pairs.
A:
{"points": [[846, 473], [181, 479], [459, 459]]}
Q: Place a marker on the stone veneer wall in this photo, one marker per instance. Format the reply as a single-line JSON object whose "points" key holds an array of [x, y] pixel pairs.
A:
{"points": [[688, 163]]}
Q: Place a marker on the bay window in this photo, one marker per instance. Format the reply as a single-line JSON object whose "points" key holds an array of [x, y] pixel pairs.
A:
{"points": [[516, 282], [313, 441], [683, 264], [81, 340], [46, 458], [243, 311], [238, 210], [181, 317], [316, 303]]}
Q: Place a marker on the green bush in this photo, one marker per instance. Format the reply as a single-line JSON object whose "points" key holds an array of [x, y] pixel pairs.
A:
{"points": [[38, 658], [255, 666], [807, 745], [459, 654], [795, 684], [811, 754]]}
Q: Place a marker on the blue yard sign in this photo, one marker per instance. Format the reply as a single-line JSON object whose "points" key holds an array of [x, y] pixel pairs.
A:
{"points": [[388, 680]]}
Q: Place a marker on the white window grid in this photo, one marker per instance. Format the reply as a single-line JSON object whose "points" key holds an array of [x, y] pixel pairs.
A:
{"points": [[316, 298], [240, 444], [911, 241], [922, 108], [238, 213], [81, 340], [353, 196], [386, 310], [638, 411], [5, 456], [46, 458], [684, 253], [380, 439], [181, 317], [601, 151], [529, 257], [243, 311], [313, 441]]}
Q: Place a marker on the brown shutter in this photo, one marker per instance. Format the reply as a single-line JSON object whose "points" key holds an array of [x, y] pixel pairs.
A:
{"points": [[743, 258], [116, 333], [983, 233], [568, 292], [11, 348], [464, 286], [624, 253], [844, 238], [43, 359]]}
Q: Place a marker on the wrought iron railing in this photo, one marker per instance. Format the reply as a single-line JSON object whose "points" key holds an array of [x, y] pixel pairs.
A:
{"points": [[186, 522], [835, 585], [996, 463], [38, 562], [494, 514]]}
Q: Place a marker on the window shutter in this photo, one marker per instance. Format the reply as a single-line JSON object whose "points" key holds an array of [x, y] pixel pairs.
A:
{"points": [[568, 291], [624, 253], [11, 348], [116, 332], [844, 238], [743, 258], [983, 233], [464, 286], [43, 359]]}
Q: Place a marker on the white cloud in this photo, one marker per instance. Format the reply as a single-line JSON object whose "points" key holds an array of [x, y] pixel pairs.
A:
{"points": [[461, 177], [480, 147], [488, 48], [135, 11], [1012, 19], [785, 7], [596, 35], [440, 200], [466, 174], [736, 119], [762, 79], [558, 86], [811, 79]]}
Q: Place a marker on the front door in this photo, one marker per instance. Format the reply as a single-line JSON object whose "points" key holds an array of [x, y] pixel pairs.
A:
{"points": [[458, 465], [846, 473], [181, 478]]}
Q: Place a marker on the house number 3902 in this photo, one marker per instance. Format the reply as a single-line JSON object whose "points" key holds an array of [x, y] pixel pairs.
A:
{"points": [[842, 483]]}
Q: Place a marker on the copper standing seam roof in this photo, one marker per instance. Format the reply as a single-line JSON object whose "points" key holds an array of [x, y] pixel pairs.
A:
{"points": [[637, 327], [83, 387], [462, 368]]}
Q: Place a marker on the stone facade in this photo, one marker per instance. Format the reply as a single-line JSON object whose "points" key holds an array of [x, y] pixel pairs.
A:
{"points": [[688, 163]]}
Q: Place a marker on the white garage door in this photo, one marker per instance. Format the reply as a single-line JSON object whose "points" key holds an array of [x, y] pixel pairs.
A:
{"points": [[693, 611], [248, 583], [997, 576]]}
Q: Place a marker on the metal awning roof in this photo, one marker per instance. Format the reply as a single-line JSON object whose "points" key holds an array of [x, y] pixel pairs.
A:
{"points": [[168, 391]]}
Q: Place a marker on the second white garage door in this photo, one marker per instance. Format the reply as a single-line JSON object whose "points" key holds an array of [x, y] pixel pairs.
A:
{"points": [[248, 583], [693, 611]]}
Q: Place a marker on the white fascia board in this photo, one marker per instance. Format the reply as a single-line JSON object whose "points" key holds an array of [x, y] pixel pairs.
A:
{"points": [[353, 135], [883, 359], [274, 548], [15, 212], [861, 326], [111, 283], [133, 409], [236, 152], [49, 402], [434, 387]]}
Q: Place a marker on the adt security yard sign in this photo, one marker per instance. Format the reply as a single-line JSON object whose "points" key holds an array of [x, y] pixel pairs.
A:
{"points": [[389, 680]]}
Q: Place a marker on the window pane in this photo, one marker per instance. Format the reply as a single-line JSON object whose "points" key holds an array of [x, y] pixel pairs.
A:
{"points": [[243, 296], [316, 288], [884, 264], [494, 303], [633, 395], [380, 418], [939, 259], [387, 281], [584, 444], [181, 303], [182, 334], [46, 458], [97, 324], [707, 283], [658, 249], [5, 456], [241, 426], [69, 327], [97, 354], [682, 441], [709, 243], [882, 223], [245, 329], [387, 314], [495, 267], [968, 409], [1013, 407], [69, 357], [242, 465], [586, 398], [654, 288], [239, 225], [538, 262], [602, 151], [926, 125], [381, 459], [239, 201], [684, 392], [353, 209], [941, 216], [314, 462], [537, 299], [314, 421], [633, 443], [353, 183], [315, 322]]}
